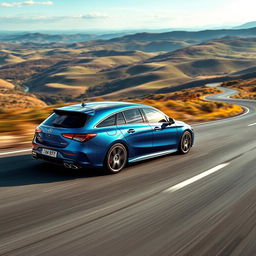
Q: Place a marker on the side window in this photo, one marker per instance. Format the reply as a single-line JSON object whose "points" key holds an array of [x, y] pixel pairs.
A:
{"points": [[154, 116], [120, 119], [133, 116], [110, 121]]}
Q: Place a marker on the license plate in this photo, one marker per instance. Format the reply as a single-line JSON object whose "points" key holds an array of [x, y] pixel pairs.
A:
{"points": [[48, 152]]}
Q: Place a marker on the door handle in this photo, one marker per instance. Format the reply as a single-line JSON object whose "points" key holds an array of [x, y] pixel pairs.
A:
{"points": [[157, 128], [131, 131]]}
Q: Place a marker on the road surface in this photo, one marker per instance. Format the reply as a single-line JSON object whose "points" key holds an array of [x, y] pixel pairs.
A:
{"points": [[203, 203]]}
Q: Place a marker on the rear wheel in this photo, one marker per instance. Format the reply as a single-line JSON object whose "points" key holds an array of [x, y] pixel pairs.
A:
{"points": [[185, 143], [116, 158]]}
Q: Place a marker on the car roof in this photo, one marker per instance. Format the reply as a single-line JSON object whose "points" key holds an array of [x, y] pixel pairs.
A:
{"points": [[92, 107]]}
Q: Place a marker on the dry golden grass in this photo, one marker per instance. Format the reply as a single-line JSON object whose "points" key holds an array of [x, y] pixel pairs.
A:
{"points": [[56, 88], [6, 85], [246, 88], [186, 105], [10, 100]]}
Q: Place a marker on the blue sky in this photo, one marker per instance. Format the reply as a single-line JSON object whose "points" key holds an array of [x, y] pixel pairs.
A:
{"points": [[123, 14]]}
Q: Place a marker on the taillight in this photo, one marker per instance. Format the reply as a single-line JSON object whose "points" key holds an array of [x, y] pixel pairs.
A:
{"points": [[79, 137], [38, 130]]}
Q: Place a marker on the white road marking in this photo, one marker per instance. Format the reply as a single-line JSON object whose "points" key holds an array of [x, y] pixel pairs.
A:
{"points": [[245, 113], [196, 178], [252, 124], [15, 152]]}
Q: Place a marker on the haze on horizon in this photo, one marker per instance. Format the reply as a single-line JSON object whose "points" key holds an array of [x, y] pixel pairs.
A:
{"points": [[120, 15]]}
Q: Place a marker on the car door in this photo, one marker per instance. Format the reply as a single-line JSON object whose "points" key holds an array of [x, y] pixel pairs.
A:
{"points": [[137, 132], [164, 136]]}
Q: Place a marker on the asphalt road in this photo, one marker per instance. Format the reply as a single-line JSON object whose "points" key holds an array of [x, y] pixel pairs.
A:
{"points": [[203, 203]]}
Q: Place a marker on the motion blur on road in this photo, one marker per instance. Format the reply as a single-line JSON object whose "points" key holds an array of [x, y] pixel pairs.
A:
{"points": [[202, 203]]}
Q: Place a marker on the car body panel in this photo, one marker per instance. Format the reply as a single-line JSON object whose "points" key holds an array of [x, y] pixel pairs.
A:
{"points": [[142, 143], [164, 137]]}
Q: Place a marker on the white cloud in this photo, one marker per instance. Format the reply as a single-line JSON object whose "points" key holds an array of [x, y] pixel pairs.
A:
{"points": [[25, 3], [91, 16]]}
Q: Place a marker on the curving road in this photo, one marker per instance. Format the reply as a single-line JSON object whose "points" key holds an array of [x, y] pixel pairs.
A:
{"points": [[203, 203]]}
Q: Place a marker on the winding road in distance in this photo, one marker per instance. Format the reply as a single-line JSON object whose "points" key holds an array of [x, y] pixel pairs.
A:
{"points": [[203, 203]]}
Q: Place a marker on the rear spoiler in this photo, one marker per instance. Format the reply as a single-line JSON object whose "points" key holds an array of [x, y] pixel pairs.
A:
{"points": [[86, 111]]}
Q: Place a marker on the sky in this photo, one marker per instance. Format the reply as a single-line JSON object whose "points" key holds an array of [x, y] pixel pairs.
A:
{"points": [[113, 15]]}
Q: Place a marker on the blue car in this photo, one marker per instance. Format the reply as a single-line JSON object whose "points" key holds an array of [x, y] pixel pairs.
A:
{"points": [[109, 135]]}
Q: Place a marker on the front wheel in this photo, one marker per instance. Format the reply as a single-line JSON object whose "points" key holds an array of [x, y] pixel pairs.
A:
{"points": [[185, 143], [116, 158]]}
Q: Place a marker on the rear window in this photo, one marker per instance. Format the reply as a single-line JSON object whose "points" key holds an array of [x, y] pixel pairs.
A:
{"points": [[66, 119]]}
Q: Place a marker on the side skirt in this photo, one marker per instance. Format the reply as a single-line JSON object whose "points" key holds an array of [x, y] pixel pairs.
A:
{"points": [[162, 153]]}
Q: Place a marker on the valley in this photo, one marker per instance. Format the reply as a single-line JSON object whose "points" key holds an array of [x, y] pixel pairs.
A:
{"points": [[166, 70]]}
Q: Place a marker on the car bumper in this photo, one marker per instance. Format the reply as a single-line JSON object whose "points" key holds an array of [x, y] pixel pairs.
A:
{"points": [[69, 159]]}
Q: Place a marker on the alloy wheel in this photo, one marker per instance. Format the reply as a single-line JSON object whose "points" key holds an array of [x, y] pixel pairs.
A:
{"points": [[116, 158]]}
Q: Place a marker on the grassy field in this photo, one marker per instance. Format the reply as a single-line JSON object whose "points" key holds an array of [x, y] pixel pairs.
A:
{"points": [[188, 105]]}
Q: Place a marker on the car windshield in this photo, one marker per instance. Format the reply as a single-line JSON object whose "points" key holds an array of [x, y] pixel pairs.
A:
{"points": [[67, 119]]}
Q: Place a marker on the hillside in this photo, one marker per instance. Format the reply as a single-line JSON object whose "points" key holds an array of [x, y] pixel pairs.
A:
{"points": [[6, 85], [153, 44], [239, 48], [217, 58], [247, 25], [69, 72], [43, 38], [188, 35], [11, 99]]}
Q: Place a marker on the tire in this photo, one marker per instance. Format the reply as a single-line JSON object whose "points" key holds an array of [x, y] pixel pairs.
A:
{"points": [[185, 143], [116, 158]]}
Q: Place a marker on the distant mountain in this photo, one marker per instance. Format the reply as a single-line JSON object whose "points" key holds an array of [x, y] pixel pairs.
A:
{"points": [[203, 35], [125, 37], [42, 38], [247, 25]]}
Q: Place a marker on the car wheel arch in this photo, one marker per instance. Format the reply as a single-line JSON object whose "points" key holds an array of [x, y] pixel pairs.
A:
{"points": [[117, 142]]}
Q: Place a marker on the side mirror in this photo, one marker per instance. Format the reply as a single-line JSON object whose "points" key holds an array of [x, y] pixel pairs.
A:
{"points": [[171, 121]]}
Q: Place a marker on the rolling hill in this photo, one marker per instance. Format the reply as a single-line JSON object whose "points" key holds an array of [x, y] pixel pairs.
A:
{"points": [[43, 38], [116, 68], [188, 35], [247, 25], [216, 58]]}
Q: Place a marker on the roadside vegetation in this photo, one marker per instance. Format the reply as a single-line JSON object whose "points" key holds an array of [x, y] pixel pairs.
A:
{"points": [[246, 88], [189, 105], [18, 124]]}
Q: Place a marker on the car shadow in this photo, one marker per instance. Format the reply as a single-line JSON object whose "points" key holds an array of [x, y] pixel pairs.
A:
{"points": [[23, 170]]}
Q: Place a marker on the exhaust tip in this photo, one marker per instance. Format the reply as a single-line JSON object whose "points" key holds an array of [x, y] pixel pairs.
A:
{"points": [[67, 165], [71, 166], [74, 167]]}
